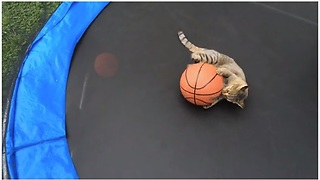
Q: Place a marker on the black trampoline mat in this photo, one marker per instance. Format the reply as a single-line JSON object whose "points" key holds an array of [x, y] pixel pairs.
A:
{"points": [[137, 124]]}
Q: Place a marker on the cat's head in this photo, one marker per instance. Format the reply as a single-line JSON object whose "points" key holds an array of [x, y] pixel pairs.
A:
{"points": [[236, 93]]}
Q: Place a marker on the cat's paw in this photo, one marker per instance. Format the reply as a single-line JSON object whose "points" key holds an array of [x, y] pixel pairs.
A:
{"points": [[219, 71], [195, 57], [207, 107], [225, 91]]}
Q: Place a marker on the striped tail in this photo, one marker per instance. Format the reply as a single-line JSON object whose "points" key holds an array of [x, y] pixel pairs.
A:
{"points": [[188, 44], [199, 54]]}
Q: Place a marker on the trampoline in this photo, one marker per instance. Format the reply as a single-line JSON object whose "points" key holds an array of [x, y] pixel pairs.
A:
{"points": [[63, 120]]}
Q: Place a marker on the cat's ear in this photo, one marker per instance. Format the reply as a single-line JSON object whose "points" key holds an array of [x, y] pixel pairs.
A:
{"points": [[244, 87], [240, 103]]}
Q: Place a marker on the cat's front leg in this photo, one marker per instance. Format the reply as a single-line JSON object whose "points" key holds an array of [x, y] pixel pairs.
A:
{"points": [[226, 73]]}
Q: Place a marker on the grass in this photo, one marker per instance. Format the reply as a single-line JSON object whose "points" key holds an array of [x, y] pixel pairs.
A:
{"points": [[21, 21]]}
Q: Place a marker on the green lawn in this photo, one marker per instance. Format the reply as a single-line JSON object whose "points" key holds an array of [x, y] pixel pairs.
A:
{"points": [[21, 21]]}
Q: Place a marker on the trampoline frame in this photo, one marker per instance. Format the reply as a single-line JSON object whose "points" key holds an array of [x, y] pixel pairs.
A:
{"points": [[36, 114]]}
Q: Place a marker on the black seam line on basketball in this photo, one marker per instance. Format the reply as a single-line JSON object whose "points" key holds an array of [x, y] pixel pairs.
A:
{"points": [[207, 103], [201, 94], [207, 82], [199, 100], [195, 89], [186, 76]]}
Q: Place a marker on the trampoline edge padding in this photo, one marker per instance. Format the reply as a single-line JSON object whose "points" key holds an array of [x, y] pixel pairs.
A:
{"points": [[36, 144]]}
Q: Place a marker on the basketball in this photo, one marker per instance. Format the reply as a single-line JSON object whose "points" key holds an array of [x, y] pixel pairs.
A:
{"points": [[106, 65], [199, 83]]}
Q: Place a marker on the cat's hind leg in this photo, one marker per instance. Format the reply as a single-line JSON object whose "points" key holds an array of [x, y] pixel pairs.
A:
{"points": [[196, 57], [214, 103], [204, 57]]}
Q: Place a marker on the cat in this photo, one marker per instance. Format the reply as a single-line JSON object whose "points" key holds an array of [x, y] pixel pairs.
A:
{"points": [[235, 86]]}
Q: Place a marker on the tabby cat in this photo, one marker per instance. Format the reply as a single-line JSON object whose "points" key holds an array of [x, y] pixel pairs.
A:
{"points": [[235, 86]]}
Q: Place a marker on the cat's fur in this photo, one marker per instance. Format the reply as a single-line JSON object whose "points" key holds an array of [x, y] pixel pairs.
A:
{"points": [[235, 86]]}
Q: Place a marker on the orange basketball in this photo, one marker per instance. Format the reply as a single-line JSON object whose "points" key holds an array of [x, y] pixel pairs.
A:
{"points": [[199, 83]]}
